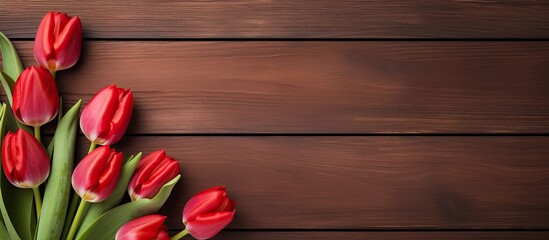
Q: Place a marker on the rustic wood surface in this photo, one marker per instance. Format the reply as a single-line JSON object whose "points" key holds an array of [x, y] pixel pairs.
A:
{"points": [[426, 126], [364, 182], [320, 87], [289, 18], [385, 235]]}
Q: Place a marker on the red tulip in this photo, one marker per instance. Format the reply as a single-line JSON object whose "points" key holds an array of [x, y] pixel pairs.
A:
{"points": [[35, 97], [58, 41], [152, 172], [25, 162], [95, 177], [105, 119], [149, 227], [208, 212]]}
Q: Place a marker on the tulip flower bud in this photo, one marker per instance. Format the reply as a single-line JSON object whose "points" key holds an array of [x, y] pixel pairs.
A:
{"points": [[58, 41], [149, 227], [208, 212], [105, 119], [152, 172], [35, 97], [95, 177], [25, 162]]}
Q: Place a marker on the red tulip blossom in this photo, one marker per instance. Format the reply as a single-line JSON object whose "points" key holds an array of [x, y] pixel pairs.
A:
{"points": [[208, 212], [106, 117], [95, 177], [58, 41], [152, 172], [25, 162], [35, 97]]}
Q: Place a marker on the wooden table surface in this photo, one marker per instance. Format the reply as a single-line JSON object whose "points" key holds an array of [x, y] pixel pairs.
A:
{"points": [[331, 119]]}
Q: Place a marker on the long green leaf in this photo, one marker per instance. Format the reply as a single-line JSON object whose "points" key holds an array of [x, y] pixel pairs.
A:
{"points": [[17, 209], [7, 83], [95, 210], [56, 196], [106, 226], [4, 232], [10, 58]]}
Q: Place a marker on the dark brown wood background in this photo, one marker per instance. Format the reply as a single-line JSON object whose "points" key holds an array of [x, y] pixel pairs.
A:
{"points": [[331, 119]]}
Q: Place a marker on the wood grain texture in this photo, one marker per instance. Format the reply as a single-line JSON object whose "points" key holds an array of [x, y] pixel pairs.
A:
{"points": [[320, 87], [364, 182], [401, 235], [288, 18]]}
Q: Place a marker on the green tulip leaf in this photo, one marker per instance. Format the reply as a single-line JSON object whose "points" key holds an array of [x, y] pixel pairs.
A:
{"points": [[7, 83], [10, 58], [58, 189], [106, 226], [3, 109], [96, 209], [3, 231]]}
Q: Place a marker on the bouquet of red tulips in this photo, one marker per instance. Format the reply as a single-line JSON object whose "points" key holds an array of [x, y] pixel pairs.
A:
{"points": [[37, 200]]}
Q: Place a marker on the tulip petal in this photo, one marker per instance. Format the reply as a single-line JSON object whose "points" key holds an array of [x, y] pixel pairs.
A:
{"points": [[206, 201], [60, 20], [84, 177], [110, 175], [96, 116], [35, 158], [68, 44], [162, 174], [44, 40], [207, 226], [122, 116], [163, 235], [145, 228]]}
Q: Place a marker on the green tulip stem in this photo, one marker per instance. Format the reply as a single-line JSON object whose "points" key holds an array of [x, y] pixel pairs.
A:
{"points": [[180, 235], [77, 219], [37, 134], [70, 214], [52, 73], [92, 147], [74, 203], [37, 201]]}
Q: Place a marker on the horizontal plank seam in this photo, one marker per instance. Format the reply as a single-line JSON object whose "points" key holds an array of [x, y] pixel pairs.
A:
{"points": [[326, 135], [540, 229], [312, 39], [338, 134], [332, 134]]}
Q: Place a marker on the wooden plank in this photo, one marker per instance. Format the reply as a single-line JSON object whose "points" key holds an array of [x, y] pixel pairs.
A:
{"points": [[364, 182], [320, 87], [465, 235], [288, 18]]}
